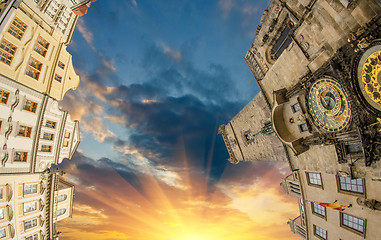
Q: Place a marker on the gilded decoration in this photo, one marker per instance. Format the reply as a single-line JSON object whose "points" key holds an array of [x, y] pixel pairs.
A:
{"points": [[329, 106]]}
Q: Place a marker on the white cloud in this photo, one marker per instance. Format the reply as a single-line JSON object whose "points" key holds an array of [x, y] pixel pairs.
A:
{"points": [[175, 54], [86, 34]]}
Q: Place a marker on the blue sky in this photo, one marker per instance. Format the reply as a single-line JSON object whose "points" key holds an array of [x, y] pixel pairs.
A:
{"points": [[157, 79]]}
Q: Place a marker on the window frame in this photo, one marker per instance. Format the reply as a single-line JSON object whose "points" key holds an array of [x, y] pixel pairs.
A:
{"points": [[350, 228], [32, 188], [302, 129], [46, 148], [7, 55], [314, 184], [362, 194], [23, 156], [35, 68], [318, 213], [317, 235], [48, 136], [17, 29], [43, 47], [50, 124], [58, 78], [294, 108], [30, 210], [32, 108], [2, 92], [27, 131], [32, 226], [61, 65]]}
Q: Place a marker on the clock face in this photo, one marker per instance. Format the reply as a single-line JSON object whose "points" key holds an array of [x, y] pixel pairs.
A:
{"points": [[328, 105], [369, 76]]}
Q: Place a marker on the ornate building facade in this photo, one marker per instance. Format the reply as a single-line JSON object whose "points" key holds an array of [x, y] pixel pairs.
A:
{"points": [[32, 204], [317, 63]]}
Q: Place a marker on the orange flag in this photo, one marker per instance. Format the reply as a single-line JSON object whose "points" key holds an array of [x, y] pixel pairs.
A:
{"points": [[335, 205]]}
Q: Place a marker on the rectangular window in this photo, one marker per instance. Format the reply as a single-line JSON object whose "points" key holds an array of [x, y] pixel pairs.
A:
{"points": [[41, 46], [61, 65], [67, 134], [32, 237], [50, 124], [1, 213], [320, 210], [321, 233], [352, 222], [20, 156], [17, 28], [58, 78], [7, 52], [4, 96], [1, 193], [30, 207], [30, 188], [314, 179], [66, 143], [34, 68], [48, 136], [28, 224], [295, 107], [46, 148], [24, 131], [282, 43], [30, 106], [303, 127], [351, 185]]}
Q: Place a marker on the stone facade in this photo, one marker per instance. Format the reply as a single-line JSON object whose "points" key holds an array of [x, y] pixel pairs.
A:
{"points": [[32, 204], [34, 132], [317, 63]]}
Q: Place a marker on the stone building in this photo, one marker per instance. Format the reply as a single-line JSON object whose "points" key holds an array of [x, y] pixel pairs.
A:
{"points": [[32, 204], [34, 53], [317, 63], [34, 132]]}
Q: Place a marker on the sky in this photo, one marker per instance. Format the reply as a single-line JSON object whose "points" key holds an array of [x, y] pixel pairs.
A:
{"points": [[157, 80]]}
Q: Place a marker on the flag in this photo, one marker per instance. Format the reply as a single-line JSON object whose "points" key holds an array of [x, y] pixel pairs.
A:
{"points": [[335, 205]]}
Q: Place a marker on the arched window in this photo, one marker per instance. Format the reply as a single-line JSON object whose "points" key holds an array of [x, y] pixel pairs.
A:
{"points": [[61, 197], [61, 211]]}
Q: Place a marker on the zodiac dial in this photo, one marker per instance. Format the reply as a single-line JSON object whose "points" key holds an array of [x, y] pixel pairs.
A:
{"points": [[369, 76], [328, 105]]}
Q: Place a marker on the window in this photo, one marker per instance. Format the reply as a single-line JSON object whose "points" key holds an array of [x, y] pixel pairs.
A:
{"points": [[352, 222], [58, 78], [20, 156], [24, 131], [61, 197], [67, 134], [50, 124], [30, 188], [48, 136], [34, 68], [30, 106], [321, 233], [28, 224], [41, 46], [46, 148], [1, 193], [61, 65], [314, 179], [30, 207], [66, 143], [351, 185], [303, 127], [295, 107], [4, 96], [32, 237], [2, 233], [2, 213], [320, 210], [7, 52], [17, 28], [61, 211], [283, 42]]}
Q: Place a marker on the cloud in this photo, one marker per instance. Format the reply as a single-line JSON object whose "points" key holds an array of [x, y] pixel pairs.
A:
{"points": [[133, 2], [176, 55], [226, 6], [86, 34]]}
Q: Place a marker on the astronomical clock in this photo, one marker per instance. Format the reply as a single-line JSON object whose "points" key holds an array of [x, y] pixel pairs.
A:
{"points": [[328, 105], [369, 76]]}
